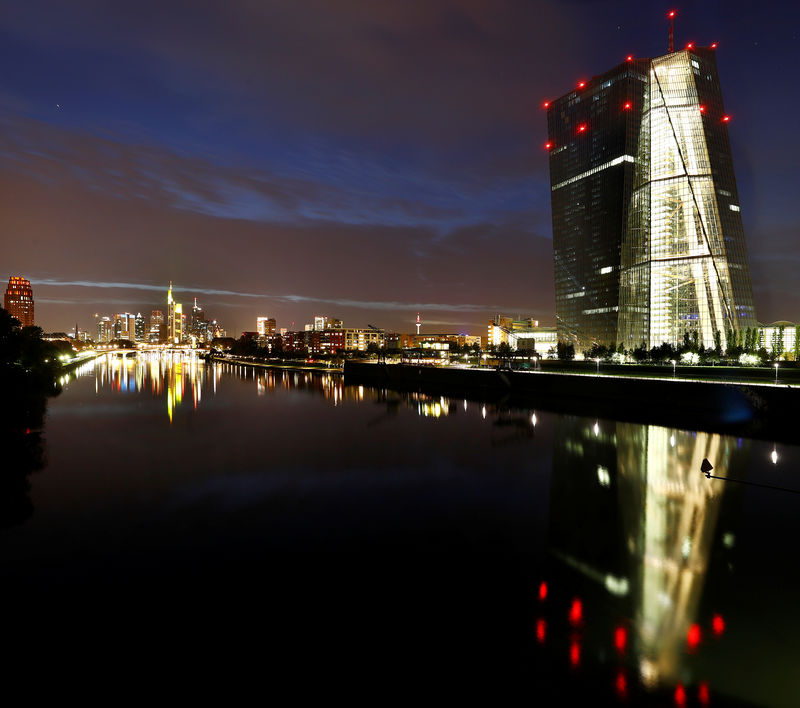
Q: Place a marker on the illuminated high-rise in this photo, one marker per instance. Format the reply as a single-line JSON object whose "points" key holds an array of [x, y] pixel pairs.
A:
{"points": [[105, 329], [156, 331], [18, 300], [265, 325], [647, 231], [175, 319]]}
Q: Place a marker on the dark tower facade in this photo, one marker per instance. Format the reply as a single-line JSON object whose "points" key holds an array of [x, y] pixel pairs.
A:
{"points": [[647, 233], [18, 300]]}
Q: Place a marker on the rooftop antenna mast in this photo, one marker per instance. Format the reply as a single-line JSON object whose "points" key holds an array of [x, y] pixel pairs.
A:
{"points": [[671, 16]]}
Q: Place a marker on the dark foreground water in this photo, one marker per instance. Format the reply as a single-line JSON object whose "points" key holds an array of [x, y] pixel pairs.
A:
{"points": [[215, 524]]}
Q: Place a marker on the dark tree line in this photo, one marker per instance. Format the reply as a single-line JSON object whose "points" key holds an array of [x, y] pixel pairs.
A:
{"points": [[29, 370]]}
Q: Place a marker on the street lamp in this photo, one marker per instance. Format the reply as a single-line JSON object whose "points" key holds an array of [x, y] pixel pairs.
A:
{"points": [[774, 455]]}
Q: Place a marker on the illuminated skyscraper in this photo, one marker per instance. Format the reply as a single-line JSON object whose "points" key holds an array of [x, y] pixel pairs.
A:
{"points": [[156, 332], [18, 300], [265, 325], [174, 319], [125, 326], [105, 329], [647, 232], [139, 328]]}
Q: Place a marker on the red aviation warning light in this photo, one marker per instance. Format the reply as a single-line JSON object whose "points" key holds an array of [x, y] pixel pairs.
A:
{"points": [[714, 45], [582, 128], [690, 45], [546, 104], [680, 695], [671, 17], [548, 146], [629, 57], [543, 591], [702, 108], [626, 106], [581, 84], [726, 119]]}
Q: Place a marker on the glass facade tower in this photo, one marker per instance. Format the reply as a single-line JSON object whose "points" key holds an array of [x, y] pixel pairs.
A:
{"points": [[647, 231]]}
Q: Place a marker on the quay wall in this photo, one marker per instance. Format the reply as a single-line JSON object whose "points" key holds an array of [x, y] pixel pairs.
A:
{"points": [[753, 409]]}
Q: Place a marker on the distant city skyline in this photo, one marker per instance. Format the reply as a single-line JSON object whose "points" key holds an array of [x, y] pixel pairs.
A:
{"points": [[361, 160]]}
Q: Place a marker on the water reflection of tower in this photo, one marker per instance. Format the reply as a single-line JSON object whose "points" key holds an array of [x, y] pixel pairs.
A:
{"points": [[674, 534], [631, 511]]}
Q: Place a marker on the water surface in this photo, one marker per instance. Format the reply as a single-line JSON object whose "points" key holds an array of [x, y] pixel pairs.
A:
{"points": [[366, 535]]}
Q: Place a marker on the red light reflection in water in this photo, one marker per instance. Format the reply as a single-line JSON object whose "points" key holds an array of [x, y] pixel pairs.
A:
{"points": [[576, 612], [541, 630], [680, 695], [703, 694], [693, 637], [620, 638], [543, 591], [621, 685], [575, 654], [717, 624]]}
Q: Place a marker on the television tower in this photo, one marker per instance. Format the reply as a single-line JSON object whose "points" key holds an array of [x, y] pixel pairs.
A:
{"points": [[419, 323]]}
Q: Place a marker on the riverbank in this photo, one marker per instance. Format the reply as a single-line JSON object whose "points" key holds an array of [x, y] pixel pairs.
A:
{"points": [[70, 366], [282, 365], [754, 409]]}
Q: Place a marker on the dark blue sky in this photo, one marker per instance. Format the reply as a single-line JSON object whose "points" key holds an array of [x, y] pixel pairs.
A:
{"points": [[355, 158]]}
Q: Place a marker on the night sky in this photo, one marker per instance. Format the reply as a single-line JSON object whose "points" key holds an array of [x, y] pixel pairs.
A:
{"points": [[361, 159]]}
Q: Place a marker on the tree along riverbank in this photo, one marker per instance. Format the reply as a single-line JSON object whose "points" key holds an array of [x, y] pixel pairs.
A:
{"points": [[29, 371]]}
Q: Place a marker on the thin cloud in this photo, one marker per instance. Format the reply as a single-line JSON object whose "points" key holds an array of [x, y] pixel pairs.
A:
{"points": [[292, 297]]}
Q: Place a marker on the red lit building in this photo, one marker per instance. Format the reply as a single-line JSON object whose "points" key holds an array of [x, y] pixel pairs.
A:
{"points": [[18, 300]]}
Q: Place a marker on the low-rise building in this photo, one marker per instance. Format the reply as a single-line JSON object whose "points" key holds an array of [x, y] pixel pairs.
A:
{"points": [[781, 339], [522, 335], [360, 339]]}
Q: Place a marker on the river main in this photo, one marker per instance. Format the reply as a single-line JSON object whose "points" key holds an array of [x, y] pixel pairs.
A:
{"points": [[356, 526]]}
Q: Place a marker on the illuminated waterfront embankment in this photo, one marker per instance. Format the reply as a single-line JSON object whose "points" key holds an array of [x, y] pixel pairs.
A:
{"points": [[753, 409]]}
